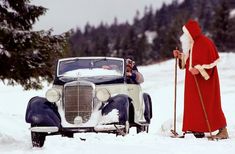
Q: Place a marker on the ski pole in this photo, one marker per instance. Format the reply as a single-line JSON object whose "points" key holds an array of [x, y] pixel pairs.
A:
{"points": [[175, 92], [203, 107]]}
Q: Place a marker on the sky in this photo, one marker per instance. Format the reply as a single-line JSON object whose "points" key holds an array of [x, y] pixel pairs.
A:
{"points": [[62, 15], [159, 83]]}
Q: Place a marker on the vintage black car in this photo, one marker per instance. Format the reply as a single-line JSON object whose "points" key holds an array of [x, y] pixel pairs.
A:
{"points": [[89, 94]]}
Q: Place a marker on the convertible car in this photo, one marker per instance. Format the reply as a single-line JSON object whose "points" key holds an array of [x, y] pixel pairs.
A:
{"points": [[89, 94]]}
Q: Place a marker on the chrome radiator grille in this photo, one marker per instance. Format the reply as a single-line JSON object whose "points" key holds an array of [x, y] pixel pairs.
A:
{"points": [[78, 102]]}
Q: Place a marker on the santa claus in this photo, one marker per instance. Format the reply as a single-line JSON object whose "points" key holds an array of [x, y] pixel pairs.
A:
{"points": [[202, 102]]}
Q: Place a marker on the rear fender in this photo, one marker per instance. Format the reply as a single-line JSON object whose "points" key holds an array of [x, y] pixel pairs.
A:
{"points": [[148, 107]]}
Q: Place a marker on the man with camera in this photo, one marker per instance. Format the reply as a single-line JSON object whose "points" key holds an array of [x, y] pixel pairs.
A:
{"points": [[133, 76]]}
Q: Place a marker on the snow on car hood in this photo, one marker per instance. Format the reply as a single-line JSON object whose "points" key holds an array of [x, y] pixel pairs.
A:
{"points": [[91, 72]]}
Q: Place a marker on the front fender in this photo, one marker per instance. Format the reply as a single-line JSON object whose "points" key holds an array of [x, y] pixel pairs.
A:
{"points": [[121, 103], [148, 107], [40, 112]]}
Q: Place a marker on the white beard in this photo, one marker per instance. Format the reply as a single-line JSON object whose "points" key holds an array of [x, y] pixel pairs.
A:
{"points": [[185, 42]]}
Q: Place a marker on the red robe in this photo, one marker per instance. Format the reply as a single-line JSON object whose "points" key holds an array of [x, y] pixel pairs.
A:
{"points": [[204, 54]]}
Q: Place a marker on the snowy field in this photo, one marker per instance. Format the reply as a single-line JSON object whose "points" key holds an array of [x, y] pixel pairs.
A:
{"points": [[159, 83]]}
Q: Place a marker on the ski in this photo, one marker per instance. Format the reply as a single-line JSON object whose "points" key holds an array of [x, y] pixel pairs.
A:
{"points": [[196, 135], [178, 136]]}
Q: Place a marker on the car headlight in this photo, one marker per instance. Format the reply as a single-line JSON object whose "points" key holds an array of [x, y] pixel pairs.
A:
{"points": [[103, 95], [52, 95]]}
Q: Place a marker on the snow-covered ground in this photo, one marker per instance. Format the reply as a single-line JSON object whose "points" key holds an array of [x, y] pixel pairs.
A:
{"points": [[159, 82]]}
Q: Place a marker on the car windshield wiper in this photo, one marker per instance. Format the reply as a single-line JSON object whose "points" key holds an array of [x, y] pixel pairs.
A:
{"points": [[98, 60]]}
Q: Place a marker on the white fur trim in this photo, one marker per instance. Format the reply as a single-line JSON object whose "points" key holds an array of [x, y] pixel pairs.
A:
{"points": [[202, 68], [202, 72], [190, 55]]}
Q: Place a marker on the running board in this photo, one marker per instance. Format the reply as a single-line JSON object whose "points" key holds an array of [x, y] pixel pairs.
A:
{"points": [[44, 129], [108, 127]]}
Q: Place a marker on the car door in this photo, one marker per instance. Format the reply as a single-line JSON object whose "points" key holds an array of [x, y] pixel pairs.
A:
{"points": [[135, 93]]}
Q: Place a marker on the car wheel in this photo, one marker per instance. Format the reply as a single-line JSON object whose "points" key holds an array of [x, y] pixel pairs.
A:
{"points": [[141, 128], [38, 139]]}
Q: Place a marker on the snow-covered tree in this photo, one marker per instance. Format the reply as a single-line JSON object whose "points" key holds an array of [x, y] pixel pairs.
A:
{"points": [[26, 57]]}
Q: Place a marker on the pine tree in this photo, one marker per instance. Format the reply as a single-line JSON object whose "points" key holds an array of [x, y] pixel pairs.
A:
{"points": [[129, 43], [230, 43], [204, 13], [26, 57], [142, 49], [148, 19], [220, 30]]}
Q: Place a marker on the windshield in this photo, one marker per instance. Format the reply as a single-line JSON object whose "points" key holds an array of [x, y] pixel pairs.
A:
{"points": [[81, 67]]}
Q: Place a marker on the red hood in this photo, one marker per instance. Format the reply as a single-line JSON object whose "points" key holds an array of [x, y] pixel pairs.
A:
{"points": [[193, 28]]}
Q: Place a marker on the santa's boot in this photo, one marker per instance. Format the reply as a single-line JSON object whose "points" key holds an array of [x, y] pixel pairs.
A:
{"points": [[222, 134], [198, 134]]}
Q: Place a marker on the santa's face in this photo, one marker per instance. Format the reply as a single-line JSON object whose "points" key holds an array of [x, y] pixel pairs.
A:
{"points": [[186, 42]]}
